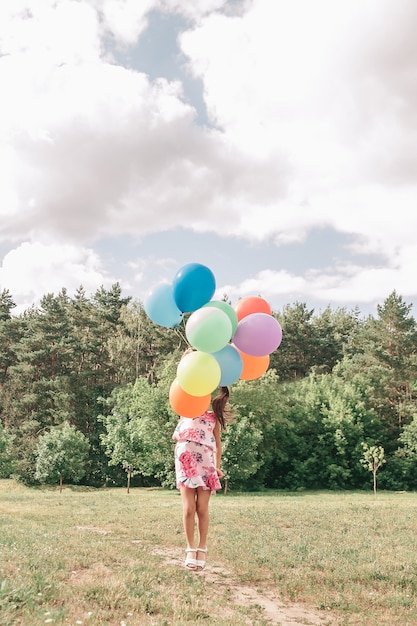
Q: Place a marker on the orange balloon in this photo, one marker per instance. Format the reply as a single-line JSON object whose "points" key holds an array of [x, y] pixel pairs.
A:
{"points": [[251, 304], [185, 404], [253, 366]]}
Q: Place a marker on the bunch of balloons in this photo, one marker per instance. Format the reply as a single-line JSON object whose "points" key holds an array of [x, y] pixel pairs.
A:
{"points": [[229, 343]]}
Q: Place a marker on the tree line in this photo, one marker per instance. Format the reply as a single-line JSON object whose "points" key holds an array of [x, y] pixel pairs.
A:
{"points": [[84, 384]]}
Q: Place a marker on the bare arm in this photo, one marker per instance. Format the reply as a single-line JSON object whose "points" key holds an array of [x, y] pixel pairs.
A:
{"points": [[219, 450]]}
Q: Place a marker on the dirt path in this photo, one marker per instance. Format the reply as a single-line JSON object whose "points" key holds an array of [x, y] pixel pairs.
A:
{"points": [[275, 611]]}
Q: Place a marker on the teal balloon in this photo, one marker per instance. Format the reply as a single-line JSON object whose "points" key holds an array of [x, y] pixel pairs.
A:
{"points": [[208, 329], [161, 308], [194, 285], [228, 309], [231, 365]]}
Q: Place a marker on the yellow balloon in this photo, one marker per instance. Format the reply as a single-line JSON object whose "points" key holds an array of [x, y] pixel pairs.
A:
{"points": [[198, 373]]}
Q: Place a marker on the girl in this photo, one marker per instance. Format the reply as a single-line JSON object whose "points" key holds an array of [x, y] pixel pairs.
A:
{"points": [[198, 453]]}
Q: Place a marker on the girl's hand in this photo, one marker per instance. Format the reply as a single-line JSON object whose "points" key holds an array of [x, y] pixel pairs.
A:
{"points": [[220, 473]]}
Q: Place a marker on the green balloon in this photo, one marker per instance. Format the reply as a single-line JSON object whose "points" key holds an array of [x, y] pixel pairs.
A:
{"points": [[226, 308], [208, 329]]}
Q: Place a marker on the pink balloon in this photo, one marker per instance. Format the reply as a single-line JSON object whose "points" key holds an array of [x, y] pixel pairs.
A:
{"points": [[258, 334]]}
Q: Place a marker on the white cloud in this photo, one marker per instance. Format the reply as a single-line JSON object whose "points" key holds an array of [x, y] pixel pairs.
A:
{"points": [[330, 88], [313, 106], [194, 11], [355, 285], [125, 20], [34, 269], [94, 148], [49, 32]]}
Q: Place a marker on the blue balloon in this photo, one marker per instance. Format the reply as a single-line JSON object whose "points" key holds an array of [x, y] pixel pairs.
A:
{"points": [[194, 285], [161, 308], [231, 364]]}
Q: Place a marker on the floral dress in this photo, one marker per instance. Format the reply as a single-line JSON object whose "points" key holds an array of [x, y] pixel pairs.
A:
{"points": [[195, 452]]}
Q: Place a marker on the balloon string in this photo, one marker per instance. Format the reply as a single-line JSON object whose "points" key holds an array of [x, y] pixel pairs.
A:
{"points": [[181, 336]]}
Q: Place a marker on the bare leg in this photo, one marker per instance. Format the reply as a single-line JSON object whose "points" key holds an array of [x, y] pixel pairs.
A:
{"points": [[188, 497], [202, 509]]}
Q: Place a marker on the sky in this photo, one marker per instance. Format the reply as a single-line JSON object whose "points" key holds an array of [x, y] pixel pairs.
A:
{"points": [[273, 141]]}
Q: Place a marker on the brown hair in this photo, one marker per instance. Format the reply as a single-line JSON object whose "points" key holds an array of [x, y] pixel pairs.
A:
{"points": [[219, 406]]}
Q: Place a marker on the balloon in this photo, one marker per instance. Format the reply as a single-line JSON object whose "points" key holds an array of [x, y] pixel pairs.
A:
{"points": [[186, 405], [231, 365], [253, 366], [198, 373], [228, 309], [258, 334], [194, 285], [160, 306], [251, 304], [208, 329]]}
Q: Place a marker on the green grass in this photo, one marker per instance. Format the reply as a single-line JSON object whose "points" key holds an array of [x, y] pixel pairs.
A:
{"points": [[105, 557]]}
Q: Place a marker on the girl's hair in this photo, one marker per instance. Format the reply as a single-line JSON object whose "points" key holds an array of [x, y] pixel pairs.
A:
{"points": [[219, 406]]}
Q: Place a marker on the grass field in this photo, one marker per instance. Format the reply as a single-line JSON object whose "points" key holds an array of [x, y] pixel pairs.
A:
{"points": [[106, 557]]}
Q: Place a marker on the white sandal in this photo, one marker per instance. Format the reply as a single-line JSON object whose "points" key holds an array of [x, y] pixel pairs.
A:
{"points": [[190, 562], [201, 564]]}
